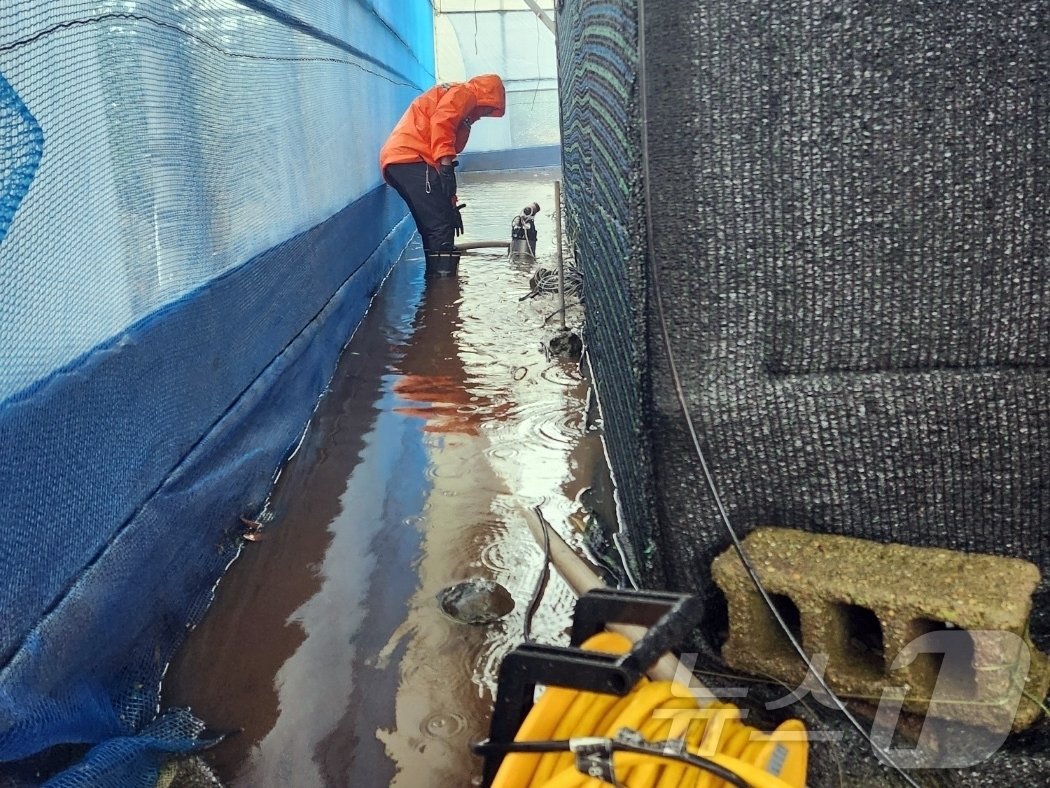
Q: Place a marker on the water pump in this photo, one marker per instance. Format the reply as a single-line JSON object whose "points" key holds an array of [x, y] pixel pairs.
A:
{"points": [[523, 231]]}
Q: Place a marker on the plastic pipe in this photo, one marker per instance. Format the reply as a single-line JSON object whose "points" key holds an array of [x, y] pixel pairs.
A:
{"points": [[466, 247], [541, 14], [581, 578]]}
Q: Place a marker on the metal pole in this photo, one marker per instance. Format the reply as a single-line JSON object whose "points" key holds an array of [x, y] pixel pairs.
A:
{"points": [[561, 260], [541, 14]]}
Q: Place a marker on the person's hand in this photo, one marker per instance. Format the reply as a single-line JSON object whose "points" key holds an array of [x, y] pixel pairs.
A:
{"points": [[448, 178], [457, 218]]}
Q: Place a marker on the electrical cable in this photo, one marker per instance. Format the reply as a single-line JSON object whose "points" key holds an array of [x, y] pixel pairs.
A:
{"points": [[654, 719], [160, 23], [368, 6], [544, 576], [654, 750], [281, 16], [683, 403]]}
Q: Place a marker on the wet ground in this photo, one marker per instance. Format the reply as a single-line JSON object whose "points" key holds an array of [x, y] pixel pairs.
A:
{"points": [[444, 425]]}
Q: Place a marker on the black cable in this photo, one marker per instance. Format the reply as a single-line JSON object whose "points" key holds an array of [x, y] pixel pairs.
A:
{"points": [[367, 4], [655, 750], [128, 17], [541, 581], [283, 17], [688, 758], [532, 747], [683, 403]]}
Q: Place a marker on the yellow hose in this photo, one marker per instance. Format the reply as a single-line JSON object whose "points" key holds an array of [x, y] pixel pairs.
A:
{"points": [[518, 768], [660, 711]]}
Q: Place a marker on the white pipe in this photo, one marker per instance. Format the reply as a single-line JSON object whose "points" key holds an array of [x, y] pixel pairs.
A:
{"points": [[581, 578], [541, 14]]}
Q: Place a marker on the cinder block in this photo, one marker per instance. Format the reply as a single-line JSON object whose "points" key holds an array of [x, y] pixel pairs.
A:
{"points": [[862, 603]]}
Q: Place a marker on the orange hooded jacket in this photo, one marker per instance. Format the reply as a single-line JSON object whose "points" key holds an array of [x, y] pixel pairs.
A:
{"points": [[437, 124]]}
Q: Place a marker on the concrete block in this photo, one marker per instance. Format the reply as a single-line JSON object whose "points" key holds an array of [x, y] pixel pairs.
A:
{"points": [[864, 604]]}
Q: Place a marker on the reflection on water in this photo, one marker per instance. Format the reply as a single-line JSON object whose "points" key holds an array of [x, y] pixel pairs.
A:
{"points": [[444, 425]]}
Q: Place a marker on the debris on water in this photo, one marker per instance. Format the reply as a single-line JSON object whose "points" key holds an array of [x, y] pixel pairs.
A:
{"points": [[252, 530], [187, 772], [547, 280], [567, 345], [604, 551], [538, 277], [476, 601]]}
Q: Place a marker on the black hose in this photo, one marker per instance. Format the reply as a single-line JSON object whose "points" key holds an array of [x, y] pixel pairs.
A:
{"points": [[541, 581], [471, 245]]}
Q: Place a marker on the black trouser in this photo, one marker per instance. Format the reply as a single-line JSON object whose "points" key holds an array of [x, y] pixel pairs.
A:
{"points": [[420, 186]]}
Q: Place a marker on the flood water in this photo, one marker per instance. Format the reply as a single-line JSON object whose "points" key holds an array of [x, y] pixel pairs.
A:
{"points": [[444, 425]]}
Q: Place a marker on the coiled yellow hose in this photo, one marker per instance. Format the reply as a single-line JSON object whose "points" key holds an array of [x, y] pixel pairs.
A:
{"points": [[660, 711]]}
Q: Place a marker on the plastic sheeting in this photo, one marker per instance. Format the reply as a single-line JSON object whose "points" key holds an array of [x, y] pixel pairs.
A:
{"points": [[518, 47], [204, 228]]}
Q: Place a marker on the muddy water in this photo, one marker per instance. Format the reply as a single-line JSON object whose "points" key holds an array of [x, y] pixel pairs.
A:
{"points": [[444, 425]]}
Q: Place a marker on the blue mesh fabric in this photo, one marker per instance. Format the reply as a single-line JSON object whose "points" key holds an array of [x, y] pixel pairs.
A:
{"points": [[183, 140], [136, 761], [22, 141], [408, 41], [205, 227]]}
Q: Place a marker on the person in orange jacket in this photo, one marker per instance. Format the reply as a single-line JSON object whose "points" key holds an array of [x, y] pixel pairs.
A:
{"points": [[419, 157]]}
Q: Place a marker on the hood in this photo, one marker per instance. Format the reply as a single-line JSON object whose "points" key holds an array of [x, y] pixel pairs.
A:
{"points": [[490, 92]]}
